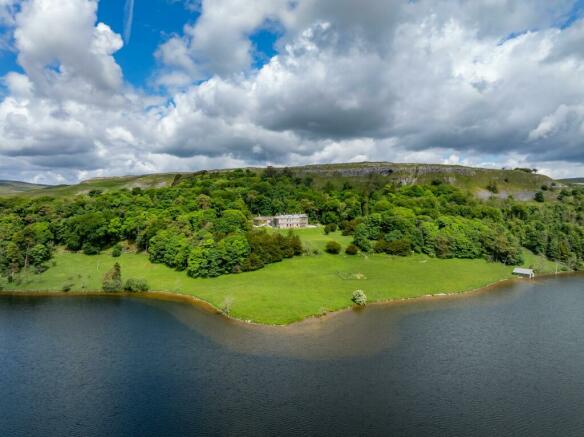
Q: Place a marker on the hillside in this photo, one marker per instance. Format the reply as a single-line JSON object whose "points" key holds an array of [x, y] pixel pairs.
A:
{"points": [[518, 183], [101, 184], [15, 187]]}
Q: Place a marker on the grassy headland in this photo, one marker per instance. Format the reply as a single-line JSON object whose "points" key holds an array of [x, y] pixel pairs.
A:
{"points": [[445, 220], [288, 291]]}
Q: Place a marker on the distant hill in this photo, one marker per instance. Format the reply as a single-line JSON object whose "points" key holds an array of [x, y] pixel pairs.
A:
{"points": [[520, 184], [15, 187], [577, 181], [100, 184]]}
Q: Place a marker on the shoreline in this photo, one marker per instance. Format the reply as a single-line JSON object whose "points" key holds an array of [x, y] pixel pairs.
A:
{"points": [[210, 308]]}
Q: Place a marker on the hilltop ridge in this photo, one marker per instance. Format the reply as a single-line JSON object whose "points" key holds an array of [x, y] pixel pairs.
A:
{"points": [[519, 183], [12, 187]]}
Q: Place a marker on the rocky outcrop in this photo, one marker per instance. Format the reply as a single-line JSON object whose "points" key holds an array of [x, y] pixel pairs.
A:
{"points": [[476, 179], [386, 169]]}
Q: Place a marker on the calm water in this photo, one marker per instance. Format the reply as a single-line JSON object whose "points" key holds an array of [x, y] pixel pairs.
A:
{"points": [[506, 362]]}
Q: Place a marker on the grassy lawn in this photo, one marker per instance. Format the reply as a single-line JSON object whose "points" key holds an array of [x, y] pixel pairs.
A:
{"points": [[315, 238], [541, 264], [284, 292]]}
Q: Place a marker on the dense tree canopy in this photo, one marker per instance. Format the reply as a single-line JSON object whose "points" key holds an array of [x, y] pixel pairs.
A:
{"points": [[202, 224]]}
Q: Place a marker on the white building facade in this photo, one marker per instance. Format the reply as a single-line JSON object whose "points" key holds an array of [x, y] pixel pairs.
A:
{"points": [[285, 221]]}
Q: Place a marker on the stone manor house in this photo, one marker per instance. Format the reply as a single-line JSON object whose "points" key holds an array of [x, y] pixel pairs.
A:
{"points": [[282, 221]]}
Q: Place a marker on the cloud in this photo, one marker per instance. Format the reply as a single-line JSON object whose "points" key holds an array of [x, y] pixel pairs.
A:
{"points": [[74, 60], [219, 42], [128, 20], [8, 9], [494, 83]]}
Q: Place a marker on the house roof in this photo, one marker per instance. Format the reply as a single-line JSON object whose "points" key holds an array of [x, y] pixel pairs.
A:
{"points": [[283, 216]]}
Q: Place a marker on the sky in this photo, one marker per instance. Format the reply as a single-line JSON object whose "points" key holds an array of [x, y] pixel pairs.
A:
{"points": [[113, 87]]}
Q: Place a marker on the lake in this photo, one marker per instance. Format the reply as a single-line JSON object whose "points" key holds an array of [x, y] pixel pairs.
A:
{"points": [[508, 361]]}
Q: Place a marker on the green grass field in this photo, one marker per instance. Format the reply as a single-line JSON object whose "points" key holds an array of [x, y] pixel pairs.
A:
{"points": [[541, 264], [284, 292]]}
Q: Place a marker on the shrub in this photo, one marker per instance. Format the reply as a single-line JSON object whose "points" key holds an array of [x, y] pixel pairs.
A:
{"points": [[67, 287], [539, 197], [271, 247], [352, 249], [361, 237], [94, 193], [226, 306], [39, 254], [331, 227], [310, 251], [136, 285], [117, 251], [492, 187], [333, 247], [402, 247], [90, 249], [253, 262], [381, 246], [359, 297], [348, 226], [40, 268], [112, 280]]}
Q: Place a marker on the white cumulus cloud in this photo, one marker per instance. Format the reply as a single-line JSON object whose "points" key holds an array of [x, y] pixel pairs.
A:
{"points": [[484, 82]]}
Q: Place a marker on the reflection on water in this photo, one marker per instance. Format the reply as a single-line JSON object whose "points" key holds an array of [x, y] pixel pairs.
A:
{"points": [[507, 361], [337, 335], [356, 332]]}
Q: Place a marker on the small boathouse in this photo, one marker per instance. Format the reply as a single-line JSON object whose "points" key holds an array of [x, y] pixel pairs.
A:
{"points": [[524, 273]]}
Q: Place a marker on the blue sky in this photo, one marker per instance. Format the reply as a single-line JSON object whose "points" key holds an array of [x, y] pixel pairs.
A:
{"points": [[576, 13], [154, 21]]}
